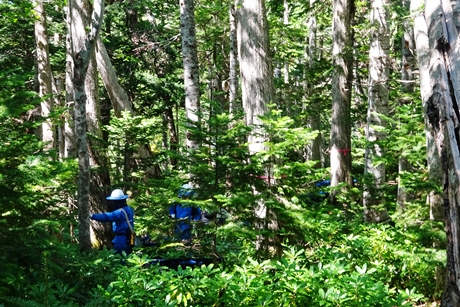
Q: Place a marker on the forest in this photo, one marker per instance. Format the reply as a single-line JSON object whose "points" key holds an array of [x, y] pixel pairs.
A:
{"points": [[319, 140]]}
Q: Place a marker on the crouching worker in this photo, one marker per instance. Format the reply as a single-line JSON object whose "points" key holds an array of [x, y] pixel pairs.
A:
{"points": [[184, 213], [122, 218]]}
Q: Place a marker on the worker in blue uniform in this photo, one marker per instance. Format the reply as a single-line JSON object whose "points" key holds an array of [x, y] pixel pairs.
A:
{"points": [[184, 213], [120, 215]]}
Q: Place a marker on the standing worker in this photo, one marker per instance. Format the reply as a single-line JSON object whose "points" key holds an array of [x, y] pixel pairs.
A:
{"points": [[184, 213], [122, 217]]}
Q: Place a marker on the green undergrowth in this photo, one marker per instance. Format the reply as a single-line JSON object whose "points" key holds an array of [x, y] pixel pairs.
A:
{"points": [[337, 262]]}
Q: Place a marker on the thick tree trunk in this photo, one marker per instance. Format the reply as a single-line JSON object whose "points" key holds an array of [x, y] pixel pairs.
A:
{"points": [[340, 147], [82, 51], [374, 168], [255, 65], [434, 198], [443, 114], [45, 77], [191, 71], [257, 91], [99, 173]]}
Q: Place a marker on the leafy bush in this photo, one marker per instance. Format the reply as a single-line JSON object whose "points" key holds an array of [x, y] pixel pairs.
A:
{"points": [[289, 281]]}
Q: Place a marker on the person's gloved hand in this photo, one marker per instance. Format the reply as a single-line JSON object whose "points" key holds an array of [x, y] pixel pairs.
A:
{"points": [[173, 216]]}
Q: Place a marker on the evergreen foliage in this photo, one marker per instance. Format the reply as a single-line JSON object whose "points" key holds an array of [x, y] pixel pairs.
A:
{"points": [[330, 257]]}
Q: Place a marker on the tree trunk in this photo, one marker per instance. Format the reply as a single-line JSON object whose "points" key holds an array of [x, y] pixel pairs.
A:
{"points": [[45, 77], [233, 62], [257, 90], [99, 173], [82, 51], [173, 137], [256, 67], [191, 71], [340, 148], [314, 121], [434, 199], [374, 168], [117, 94], [68, 148], [99, 183], [286, 69], [407, 86], [120, 101], [443, 114]]}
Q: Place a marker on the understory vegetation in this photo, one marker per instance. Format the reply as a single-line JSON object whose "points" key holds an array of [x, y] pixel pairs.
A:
{"points": [[341, 263], [320, 255]]}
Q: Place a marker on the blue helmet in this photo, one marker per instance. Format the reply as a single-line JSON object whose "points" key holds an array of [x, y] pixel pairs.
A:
{"points": [[186, 190]]}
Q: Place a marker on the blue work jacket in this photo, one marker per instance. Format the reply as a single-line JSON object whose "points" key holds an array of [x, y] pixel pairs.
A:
{"points": [[119, 224], [181, 212]]}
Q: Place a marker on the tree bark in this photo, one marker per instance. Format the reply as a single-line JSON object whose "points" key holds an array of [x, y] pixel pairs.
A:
{"points": [[434, 199], [82, 51], [407, 86], [191, 71], [374, 168], [117, 94], [69, 146], [233, 62], [340, 148], [45, 76], [170, 124], [286, 67], [256, 67], [99, 173], [314, 121], [257, 91], [443, 114]]}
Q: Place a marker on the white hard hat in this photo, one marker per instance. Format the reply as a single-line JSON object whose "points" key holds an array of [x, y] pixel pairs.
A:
{"points": [[186, 187], [186, 190], [117, 194]]}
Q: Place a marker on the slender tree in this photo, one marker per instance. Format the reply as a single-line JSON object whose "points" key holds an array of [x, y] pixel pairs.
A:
{"points": [[314, 122], [68, 149], [82, 50], [191, 68], [340, 146], [407, 88], [118, 97], [286, 69], [374, 166], [45, 77], [233, 62]]}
